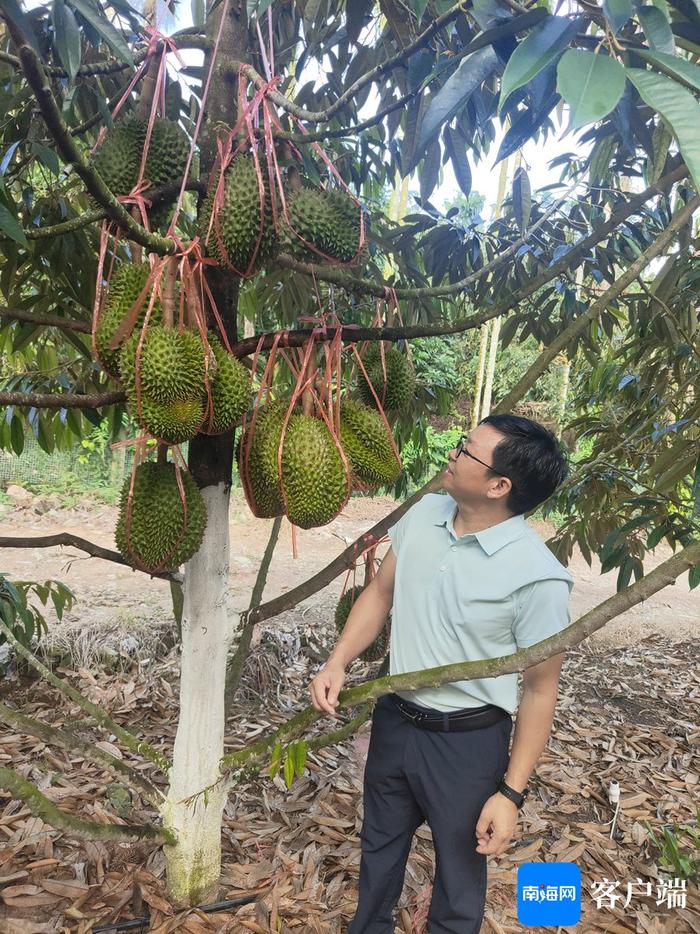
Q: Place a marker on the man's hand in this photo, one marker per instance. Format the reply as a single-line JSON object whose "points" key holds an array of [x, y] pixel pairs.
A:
{"points": [[325, 688], [496, 825]]}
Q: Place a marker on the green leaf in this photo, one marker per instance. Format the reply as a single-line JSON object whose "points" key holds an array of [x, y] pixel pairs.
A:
{"points": [[289, 768], [67, 37], [590, 84], [99, 22], [47, 157], [10, 225], [678, 107], [454, 94], [661, 139], [694, 576], [13, 11], [601, 157], [618, 12], [198, 17], [458, 158], [299, 757], [656, 29], [522, 198], [275, 760], [17, 434], [681, 69], [542, 46]]}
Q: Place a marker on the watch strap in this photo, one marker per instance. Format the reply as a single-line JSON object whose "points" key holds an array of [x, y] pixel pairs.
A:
{"points": [[516, 797]]}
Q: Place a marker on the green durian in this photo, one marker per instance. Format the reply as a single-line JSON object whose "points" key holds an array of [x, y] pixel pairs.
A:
{"points": [[159, 534], [367, 444], [239, 219], [263, 488], [327, 220], [375, 650], [230, 389], [173, 422], [171, 364], [314, 480], [396, 392], [125, 286], [119, 157]]}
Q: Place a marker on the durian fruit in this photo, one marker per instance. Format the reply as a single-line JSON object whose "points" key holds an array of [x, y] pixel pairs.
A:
{"points": [[159, 534], [328, 220], [367, 444], [174, 422], [314, 480], [119, 157], [265, 498], [375, 650], [168, 150], [230, 389], [396, 393], [171, 364], [125, 286], [239, 219]]}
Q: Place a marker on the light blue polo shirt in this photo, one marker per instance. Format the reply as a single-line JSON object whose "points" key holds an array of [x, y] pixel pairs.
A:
{"points": [[463, 598]]}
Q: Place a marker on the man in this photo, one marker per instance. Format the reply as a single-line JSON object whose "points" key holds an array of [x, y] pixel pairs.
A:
{"points": [[468, 579]]}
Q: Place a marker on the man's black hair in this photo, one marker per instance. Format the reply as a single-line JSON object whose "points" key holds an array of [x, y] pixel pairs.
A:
{"points": [[530, 455]]}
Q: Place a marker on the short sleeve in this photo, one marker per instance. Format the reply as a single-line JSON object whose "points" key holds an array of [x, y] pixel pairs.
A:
{"points": [[541, 610], [396, 532]]}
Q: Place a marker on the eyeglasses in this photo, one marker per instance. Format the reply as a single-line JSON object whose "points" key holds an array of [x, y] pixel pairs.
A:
{"points": [[461, 449]]}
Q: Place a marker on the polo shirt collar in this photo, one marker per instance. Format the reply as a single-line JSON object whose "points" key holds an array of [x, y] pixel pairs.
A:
{"points": [[491, 539]]}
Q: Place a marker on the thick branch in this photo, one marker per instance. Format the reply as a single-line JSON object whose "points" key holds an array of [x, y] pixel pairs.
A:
{"points": [[67, 400], [54, 321], [236, 764], [321, 116], [37, 80], [296, 338], [52, 736], [139, 746], [67, 538], [42, 807], [580, 324]]}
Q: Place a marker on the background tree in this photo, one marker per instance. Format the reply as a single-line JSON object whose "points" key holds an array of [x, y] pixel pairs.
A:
{"points": [[388, 88]]}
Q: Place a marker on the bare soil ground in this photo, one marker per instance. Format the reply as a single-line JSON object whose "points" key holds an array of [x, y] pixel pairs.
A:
{"points": [[628, 710]]}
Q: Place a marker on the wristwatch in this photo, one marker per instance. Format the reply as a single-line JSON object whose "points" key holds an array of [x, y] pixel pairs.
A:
{"points": [[515, 796]]}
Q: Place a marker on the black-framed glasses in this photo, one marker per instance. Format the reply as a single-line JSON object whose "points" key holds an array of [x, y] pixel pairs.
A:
{"points": [[461, 449]]}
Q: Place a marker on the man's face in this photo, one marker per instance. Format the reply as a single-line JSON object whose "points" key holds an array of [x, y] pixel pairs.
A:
{"points": [[466, 478]]}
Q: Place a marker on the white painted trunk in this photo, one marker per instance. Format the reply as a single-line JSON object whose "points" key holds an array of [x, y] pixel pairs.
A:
{"points": [[194, 865]]}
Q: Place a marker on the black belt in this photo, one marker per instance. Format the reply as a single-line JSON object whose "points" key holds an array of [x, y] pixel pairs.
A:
{"points": [[468, 719]]}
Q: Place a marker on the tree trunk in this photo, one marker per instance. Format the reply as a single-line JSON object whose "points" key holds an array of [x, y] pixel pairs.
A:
{"points": [[194, 865]]}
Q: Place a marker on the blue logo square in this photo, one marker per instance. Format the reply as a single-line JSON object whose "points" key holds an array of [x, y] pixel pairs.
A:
{"points": [[549, 893]]}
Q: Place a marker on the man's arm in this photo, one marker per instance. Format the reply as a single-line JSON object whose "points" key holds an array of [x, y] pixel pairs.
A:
{"points": [[533, 722]]}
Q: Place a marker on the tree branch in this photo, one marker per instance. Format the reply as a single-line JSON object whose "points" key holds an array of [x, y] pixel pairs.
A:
{"points": [[44, 400], [55, 321], [42, 807], [139, 746], [52, 736], [321, 116], [237, 763], [67, 538], [100, 69], [37, 80], [580, 324]]}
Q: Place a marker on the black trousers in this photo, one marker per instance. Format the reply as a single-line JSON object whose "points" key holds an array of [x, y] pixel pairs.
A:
{"points": [[414, 775]]}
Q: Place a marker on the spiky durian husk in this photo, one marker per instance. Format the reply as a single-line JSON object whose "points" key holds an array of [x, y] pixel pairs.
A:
{"points": [[368, 446], [375, 650], [125, 286], [314, 480], [167, 153], [171, 364], [160, 535], [174, 422], [239, 219], [265, 498], [119, 157], [397, 392], [230, 390], [327, 220]]}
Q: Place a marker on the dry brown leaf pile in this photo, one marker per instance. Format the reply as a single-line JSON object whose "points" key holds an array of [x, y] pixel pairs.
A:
{"points": [[631, 715]]}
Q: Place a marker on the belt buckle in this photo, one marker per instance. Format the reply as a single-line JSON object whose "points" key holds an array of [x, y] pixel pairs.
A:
{"points": [[414, 717]]}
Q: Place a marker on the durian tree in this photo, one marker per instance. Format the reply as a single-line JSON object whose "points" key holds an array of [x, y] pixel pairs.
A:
{"points": [[141, 247]]}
